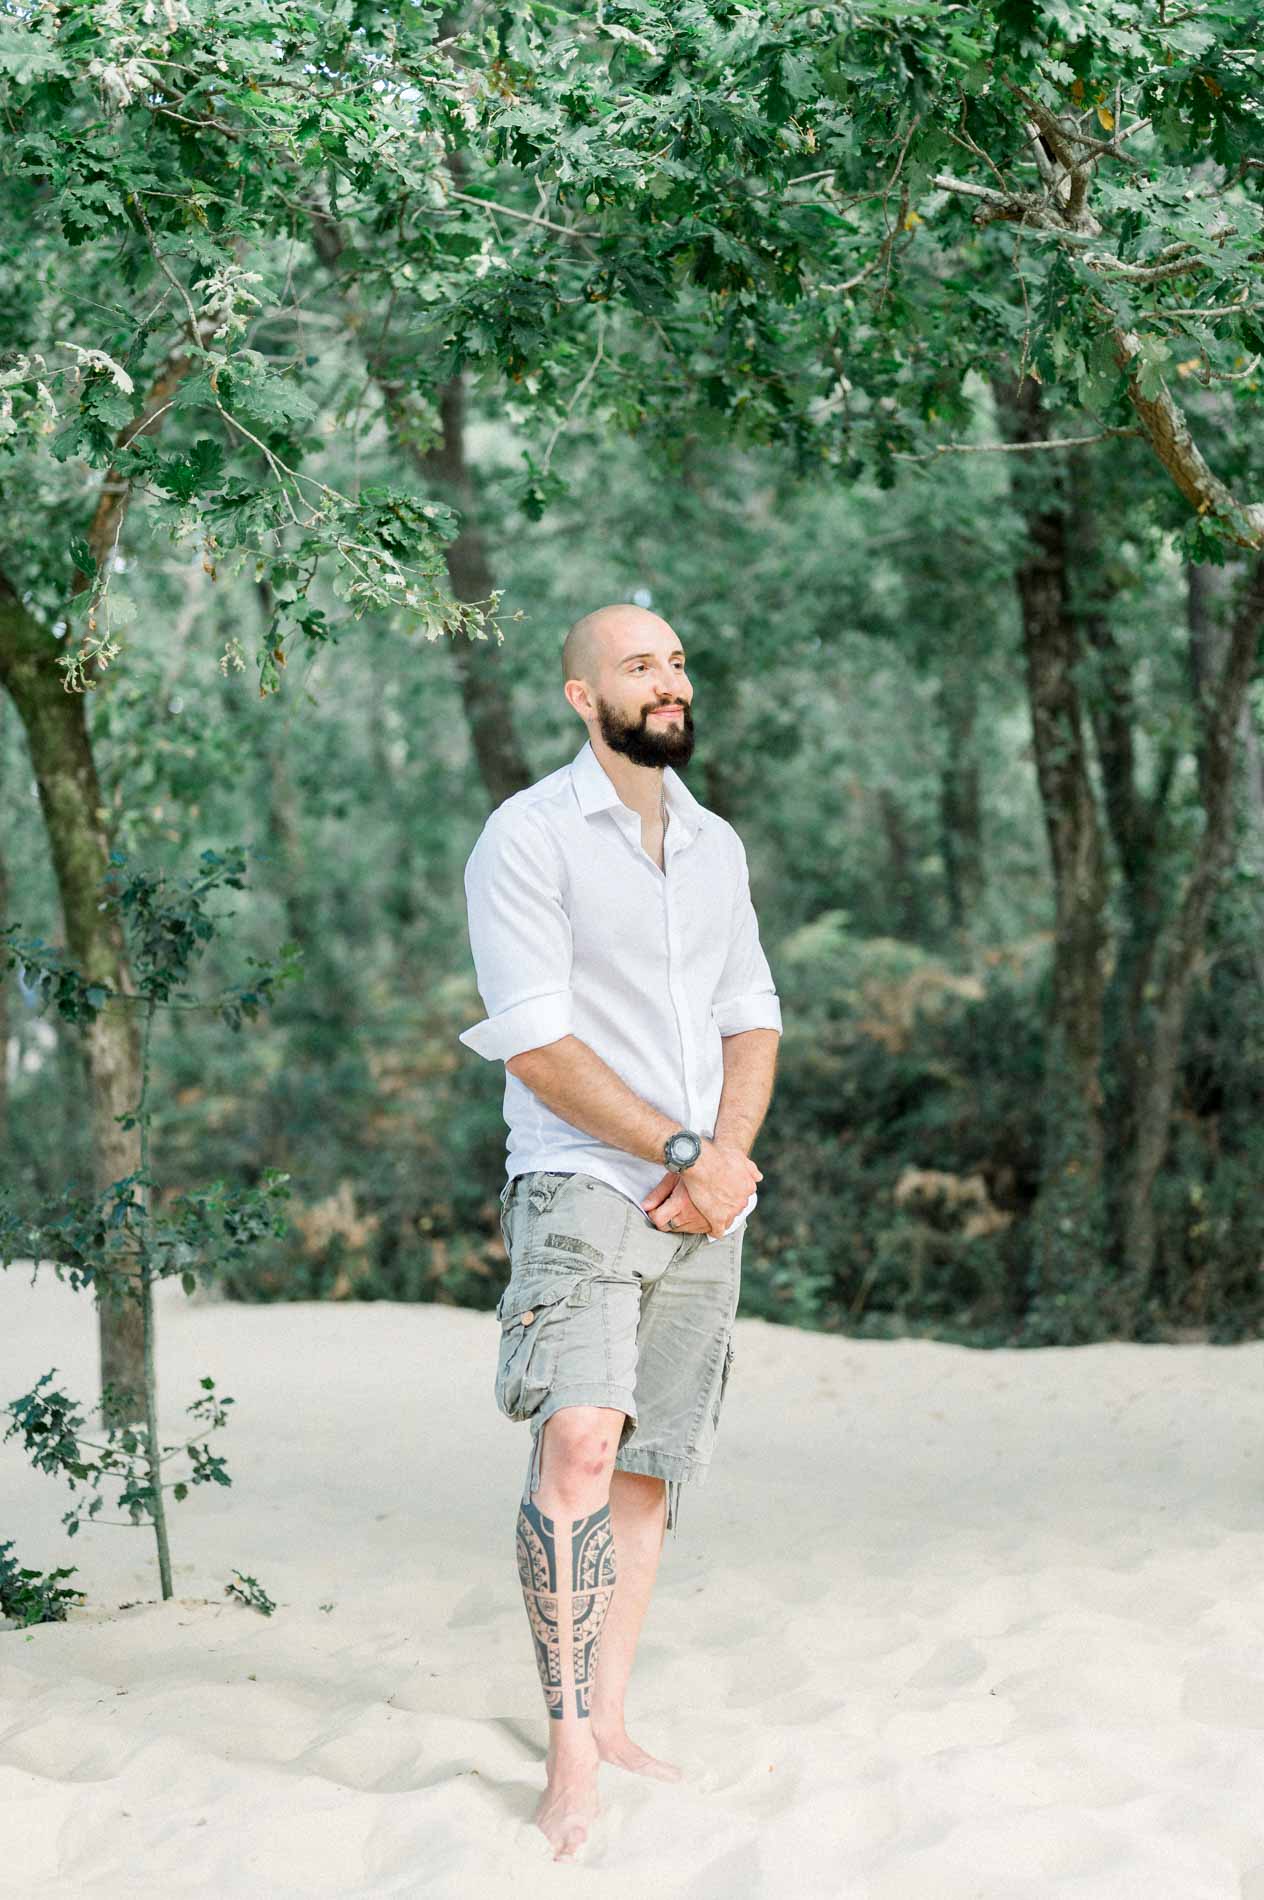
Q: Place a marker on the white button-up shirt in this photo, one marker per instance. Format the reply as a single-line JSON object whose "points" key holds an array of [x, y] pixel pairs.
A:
{"points": [[576, 931]]}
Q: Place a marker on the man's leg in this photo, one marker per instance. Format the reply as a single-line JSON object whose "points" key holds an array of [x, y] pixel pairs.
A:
{"points": [[567, 1564], [638, 1509]]}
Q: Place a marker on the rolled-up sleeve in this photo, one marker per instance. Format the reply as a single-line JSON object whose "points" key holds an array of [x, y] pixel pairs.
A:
{"points": [[520, 936], [746, 996]]}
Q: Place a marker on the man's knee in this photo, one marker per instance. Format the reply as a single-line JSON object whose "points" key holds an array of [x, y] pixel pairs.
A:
{"points": [[580, 1443], [586, 1435], [641, 1486]]}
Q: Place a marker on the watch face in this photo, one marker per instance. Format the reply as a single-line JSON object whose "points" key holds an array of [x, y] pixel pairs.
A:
{"points": [[684, 1148]]}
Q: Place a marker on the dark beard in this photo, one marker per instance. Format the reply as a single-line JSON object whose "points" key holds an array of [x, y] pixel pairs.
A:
{"points": [[638, 740]]}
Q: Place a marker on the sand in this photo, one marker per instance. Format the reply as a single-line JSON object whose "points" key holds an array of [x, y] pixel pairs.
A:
{"points": [[941, 1625]]}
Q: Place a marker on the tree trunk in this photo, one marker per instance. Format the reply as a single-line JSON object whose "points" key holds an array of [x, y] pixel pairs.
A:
{"points": [[6, 987], [903, 889], [405, 880], [284, 834], [960, 800], [725, 766], [479, 667], [1209, 605], [70, 797], [1066, 1222], [1181, 942], [1135, 822]]}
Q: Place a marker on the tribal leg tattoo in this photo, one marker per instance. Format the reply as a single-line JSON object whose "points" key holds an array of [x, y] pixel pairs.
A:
{"points": [[592, 1586], [537, 1571], [566, 1623]]}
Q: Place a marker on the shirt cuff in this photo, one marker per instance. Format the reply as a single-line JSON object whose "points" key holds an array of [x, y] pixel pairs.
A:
{"points": [[760, 1010], [527, 1025], [737, 1219]]}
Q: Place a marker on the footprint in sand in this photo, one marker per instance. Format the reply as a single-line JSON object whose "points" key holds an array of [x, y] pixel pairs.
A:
{"points": [[69, 1748], [765, 1676], [477, 1607], [953, 1666]]}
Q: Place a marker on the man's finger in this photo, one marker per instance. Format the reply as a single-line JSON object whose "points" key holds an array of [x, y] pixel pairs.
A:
{"points": [[681, 1209], [660, 1191], [670, 1209]]}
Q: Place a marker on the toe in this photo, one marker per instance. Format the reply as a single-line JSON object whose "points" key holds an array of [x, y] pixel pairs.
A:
{"points": [[572, 1840]]}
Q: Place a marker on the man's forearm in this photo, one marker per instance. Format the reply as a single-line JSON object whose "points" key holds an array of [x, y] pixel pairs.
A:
{"points": [[570, 1078], [750, 1061]]}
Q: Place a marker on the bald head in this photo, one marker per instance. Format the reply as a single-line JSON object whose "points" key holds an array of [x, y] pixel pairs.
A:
{"points": [[604, 635], [623, 673]]}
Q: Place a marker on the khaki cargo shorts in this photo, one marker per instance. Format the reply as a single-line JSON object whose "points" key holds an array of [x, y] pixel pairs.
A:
{"points": [[604, 1308]]}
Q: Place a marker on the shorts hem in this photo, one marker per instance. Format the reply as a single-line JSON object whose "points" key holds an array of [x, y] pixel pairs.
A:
{"points": [[674, 1466], [615, 1398]]}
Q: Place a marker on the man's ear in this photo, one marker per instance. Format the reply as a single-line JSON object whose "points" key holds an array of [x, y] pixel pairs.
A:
{"points": [[579, 697]]}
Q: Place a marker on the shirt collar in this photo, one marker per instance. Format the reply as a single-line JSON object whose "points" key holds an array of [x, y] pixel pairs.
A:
{"points": [[595, 791]]}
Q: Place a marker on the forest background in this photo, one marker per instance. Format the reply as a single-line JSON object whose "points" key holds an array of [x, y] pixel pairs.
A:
{"points": [[905, 358]]}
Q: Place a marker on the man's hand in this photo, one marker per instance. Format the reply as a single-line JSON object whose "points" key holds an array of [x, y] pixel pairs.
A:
{"points": [[669, 1206], [721, 1181]]}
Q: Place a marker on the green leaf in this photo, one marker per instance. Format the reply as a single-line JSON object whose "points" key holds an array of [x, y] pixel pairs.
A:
{"points": [[25, 56], [1150, 364]]}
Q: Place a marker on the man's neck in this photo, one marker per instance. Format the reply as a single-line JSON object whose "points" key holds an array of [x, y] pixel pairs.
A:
{"points": [[640, 787]]}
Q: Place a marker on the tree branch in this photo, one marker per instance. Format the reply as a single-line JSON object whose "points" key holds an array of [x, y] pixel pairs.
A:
{"points": [[1180, 455], [1174, 261], [1014, 448], [1161, 420]]}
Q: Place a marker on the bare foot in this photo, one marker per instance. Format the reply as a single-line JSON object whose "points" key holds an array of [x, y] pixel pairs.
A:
{"points": [[624, 1753], [567, 1806]]}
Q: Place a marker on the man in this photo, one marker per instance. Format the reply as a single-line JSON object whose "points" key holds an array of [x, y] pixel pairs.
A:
{"points": [[619, 961]]}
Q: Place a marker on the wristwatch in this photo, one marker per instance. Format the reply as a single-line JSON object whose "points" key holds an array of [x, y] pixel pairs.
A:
{"points": [[682, 1149]]}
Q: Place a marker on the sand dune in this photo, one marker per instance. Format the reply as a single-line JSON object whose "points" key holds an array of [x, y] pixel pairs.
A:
{"points": [[942, 1625]]}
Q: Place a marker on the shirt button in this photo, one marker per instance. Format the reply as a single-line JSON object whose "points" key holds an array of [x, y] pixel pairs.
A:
{"points": [[527, 1318]]}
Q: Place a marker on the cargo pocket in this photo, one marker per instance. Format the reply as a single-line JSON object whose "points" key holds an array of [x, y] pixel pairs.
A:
{"points": [[529, 1307], [544, 1188], [524, 1203]]}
